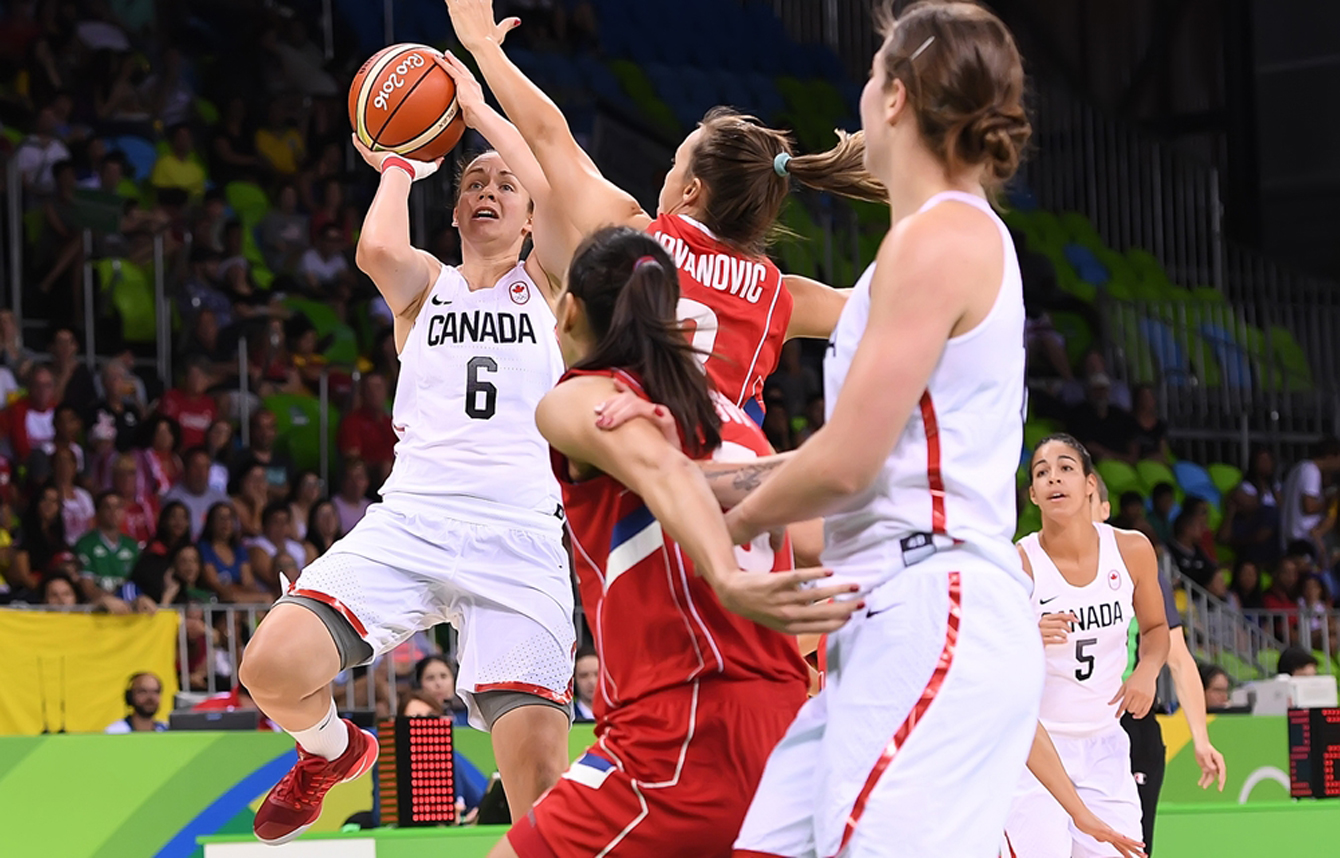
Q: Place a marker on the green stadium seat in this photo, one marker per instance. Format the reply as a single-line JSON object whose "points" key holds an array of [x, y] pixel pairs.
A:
{"points": [[132, 294], [1152, 473], [1078, 336], [343, 348], [1238, 668], [248, 200], [322, 317], [1269, 660], [1297, 371], [298, 421], [1036, 430], [1030, 521], [1080, 229], [1225, 477], [1208, 295], [1227, 556], [1120, 477], [208, 113]]}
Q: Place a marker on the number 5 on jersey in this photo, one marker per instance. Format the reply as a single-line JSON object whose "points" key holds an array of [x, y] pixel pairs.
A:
{"points": [[475, 388]]}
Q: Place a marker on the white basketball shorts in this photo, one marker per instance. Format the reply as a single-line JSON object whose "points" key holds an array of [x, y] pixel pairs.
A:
{"points": [[927, 718], [505, 588], [1100, 767]]}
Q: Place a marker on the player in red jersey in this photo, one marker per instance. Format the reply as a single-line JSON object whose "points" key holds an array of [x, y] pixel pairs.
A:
{"points": [[691, 697], [720, 201]]}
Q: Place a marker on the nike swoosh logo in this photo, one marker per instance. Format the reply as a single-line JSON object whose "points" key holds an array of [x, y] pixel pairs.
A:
{"points": [[869, 613], [1045, 601], [439, 302]]}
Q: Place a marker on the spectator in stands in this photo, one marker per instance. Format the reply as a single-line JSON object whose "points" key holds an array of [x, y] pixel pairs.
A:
{"points": [[352, 501], [1303, 502], [1094, 363], [159, 462], [74, 381], [1131, 516], [1251, 525], [1200, 507], [366, 432], [278, 466], [1283, 597], [210, 220], [323, 527], [308, 489], [301, 62], [584, 678], [1162, 500], [68, 429], [436, 676], [118, 408], [219, 445], [117, 101], [1185, 550], [144, 695], [1217, 686], [250, 495], [1296, 661], [276, 521], [180, 167], [106, 554], [59, 590], [37, 155], [796, 381], [60, 245], [1304, 555], [227, 569], [203, 290], [307, 363], [1151, 430], [13, 356], [279, 143], [194, 492], [41, 539], [173, 531], [190, 405], [324, 268], [333, 211], [167, 93], [1106, 430], [31, 419], [233, 149], [1314, 606], [285, 233], [141, 508], [1244, 590], [76, 503]]}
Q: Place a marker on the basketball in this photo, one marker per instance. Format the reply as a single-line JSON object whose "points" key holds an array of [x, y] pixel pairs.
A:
{"points": [[402, 101]]}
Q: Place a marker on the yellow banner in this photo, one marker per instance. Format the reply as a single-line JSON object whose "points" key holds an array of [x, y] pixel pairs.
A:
{"points": [[70, 671]]}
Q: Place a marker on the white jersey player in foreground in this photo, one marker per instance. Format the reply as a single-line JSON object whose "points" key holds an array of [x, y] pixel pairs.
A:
{"points": [[469, 530], [1090, 582], [932, 692]]}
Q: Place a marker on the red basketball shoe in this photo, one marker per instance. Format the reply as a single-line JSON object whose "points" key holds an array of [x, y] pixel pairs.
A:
{"points": [[295, 802]]}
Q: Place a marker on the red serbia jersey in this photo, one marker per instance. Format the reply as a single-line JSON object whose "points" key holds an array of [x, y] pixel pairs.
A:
{"points": [[735, 306], [656, 623]]}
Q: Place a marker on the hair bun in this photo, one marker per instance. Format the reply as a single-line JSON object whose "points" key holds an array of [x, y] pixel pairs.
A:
{"points": [[997, 138]]}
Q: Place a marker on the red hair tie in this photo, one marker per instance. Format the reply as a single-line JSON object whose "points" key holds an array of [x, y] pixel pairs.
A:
{"points": [[644, 260]]}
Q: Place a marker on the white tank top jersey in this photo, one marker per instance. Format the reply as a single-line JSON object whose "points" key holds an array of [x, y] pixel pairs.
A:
{"points": [[1084, 673], [472, 372], [952, 471]]}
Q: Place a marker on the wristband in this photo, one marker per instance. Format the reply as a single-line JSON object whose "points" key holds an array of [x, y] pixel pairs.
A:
{"points": [[402, 163]]}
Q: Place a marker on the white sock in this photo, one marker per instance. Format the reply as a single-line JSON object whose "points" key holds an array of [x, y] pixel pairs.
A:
{"points": [[327, 738]]}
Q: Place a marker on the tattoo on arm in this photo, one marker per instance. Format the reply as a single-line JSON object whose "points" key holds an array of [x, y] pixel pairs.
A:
{"points": [[747, 476]]}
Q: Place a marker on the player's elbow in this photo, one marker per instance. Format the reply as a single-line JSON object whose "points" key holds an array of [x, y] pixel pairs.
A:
{"points": [[848, 476]]}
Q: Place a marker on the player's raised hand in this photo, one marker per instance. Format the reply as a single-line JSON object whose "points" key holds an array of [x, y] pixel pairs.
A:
{"points": [[474, 23], [1091, 825], [1136, 694], [782, 601], [626, 405], [1212, 766], [469, 94], [377, 160], [1055, 628]]}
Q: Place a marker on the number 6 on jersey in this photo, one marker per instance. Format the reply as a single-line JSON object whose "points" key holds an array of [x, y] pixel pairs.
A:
{"points": [[474, 387]]}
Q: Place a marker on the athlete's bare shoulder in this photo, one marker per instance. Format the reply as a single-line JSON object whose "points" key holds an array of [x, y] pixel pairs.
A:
{"points": [[1023, 557], [1135, 547], [434, 267]]}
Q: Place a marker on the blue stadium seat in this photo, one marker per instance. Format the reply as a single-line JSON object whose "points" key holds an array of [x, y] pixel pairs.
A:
{"points": [[1169, 354], [1234, 364], [140, 154], [1087, 266], [1195, 480]]}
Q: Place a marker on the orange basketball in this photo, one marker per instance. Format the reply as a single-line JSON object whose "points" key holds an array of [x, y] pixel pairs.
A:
{"points": [[402, 101]]}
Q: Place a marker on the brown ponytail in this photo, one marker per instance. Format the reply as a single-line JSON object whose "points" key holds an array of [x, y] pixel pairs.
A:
{"points": [[736, 159], [629, 289], [965, 83]]}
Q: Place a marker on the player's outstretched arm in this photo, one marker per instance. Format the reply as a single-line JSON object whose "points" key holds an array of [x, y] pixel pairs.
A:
{"points": [[674, 489], [400, 272], [1136, 694], [1046, 766], [1191, 694], [589, 199], [554, 236], [817, 307], [923, 285]]}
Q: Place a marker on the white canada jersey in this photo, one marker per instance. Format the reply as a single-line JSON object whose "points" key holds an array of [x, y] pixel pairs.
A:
{"points": [[1084, 673], [474, 367], [952, 471]]}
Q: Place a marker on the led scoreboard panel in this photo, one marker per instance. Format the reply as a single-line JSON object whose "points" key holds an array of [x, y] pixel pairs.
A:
{"points": [[1314, 753], [415, 774]]}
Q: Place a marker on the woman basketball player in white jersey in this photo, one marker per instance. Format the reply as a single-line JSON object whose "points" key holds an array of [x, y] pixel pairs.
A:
{"points": [[932, 696], [1090, 582], [469, 530]]}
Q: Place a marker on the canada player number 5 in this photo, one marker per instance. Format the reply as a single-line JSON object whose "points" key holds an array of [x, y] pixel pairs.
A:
{"points": [[475, 388]]}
